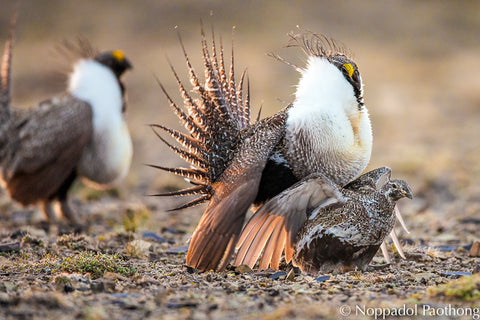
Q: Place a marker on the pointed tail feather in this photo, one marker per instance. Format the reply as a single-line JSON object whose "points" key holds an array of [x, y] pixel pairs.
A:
{"points": [[186, 173], [187, 120], [198, 189], [6, 74], [185, 141], [216, 112], [192, 158], [193, 203], [194, 110]]}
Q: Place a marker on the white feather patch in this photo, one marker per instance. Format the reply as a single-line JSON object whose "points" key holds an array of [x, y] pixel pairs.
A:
{"points": [[108, 157], [327, 111]]}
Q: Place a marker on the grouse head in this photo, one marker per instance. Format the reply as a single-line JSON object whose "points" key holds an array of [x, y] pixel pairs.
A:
{"points": [[115, 60], [396, 190]]}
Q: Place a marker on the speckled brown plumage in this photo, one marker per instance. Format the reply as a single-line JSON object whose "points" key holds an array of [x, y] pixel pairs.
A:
{"points": [[346, 237]]}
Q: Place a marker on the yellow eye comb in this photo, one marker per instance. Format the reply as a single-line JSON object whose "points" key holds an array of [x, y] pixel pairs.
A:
{"points": [[120, 56], [349, 69]]}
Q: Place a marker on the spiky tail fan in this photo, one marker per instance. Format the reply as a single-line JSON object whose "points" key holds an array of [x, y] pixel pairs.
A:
{"points": [[5, 75], [213, 121]]}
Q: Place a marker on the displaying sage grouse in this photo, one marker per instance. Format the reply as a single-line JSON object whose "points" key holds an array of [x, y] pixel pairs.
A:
{"points": [[81, 132], [340, 234], [326, 130]]}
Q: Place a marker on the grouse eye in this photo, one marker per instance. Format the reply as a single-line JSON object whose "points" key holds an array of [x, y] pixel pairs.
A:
{"points": [[394, 185]]}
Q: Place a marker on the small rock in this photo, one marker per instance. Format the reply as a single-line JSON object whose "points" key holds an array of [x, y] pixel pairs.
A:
{"points": [[114, 276], [476, 269], [445, 248], [68, 288], [177, 250], [5, 262], [97, 286], [9, 247], [475, 249], [273, 292], [190, 269], [153, 236], [405, 242], [178, 305], [470, 220], [243, 269], [423, 277], [172, 231], [277, 275], [456, 274], [18, 234], [322, 278]]}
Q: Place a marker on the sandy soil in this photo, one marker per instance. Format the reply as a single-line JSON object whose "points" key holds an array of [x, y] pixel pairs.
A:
{"points": [[419, 63]]}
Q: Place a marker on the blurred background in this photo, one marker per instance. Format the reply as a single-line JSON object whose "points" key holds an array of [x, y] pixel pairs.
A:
{"points": [[419, 61]]}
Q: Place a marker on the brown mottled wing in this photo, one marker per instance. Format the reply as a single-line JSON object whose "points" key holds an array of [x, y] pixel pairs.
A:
{"points": [[217, 233], [374, 179], [45, 145], [274, 227]]}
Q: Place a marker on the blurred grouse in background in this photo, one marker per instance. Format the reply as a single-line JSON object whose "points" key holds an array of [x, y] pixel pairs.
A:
{"points": [[81, 132]]}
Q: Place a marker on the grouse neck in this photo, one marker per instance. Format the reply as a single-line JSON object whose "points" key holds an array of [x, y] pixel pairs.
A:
{"points": [[96, 84]]}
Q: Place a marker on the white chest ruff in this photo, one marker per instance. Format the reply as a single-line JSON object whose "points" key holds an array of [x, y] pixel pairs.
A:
{"points": [[329, 142], [108, 156], [326, 131]]}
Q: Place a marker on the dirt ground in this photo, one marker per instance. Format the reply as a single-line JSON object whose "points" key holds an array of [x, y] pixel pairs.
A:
{"points": [[419, 61]]}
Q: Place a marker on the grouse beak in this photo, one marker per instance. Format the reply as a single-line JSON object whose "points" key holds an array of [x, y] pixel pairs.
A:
{"points": [[408, 193]]}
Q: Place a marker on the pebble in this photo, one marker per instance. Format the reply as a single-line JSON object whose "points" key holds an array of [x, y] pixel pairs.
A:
{"points": [[97, 286], [475, 249], [423, 277], [153, 236], [277, 275], [470, 220], [243, 269], [322, 278], [68, 288], [445, 248], [178, 305], [172, 231], [177, 250], [456, 274]]}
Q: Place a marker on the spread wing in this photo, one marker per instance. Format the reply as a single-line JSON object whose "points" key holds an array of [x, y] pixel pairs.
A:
{"points": [[45, 145], [274, 227], [217, 233]]}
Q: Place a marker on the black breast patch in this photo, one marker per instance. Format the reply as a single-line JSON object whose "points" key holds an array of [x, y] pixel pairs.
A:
{"points": [[276, 177]]}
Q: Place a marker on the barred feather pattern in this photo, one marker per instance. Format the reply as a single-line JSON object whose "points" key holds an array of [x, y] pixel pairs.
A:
{"points": [[216, 112]]}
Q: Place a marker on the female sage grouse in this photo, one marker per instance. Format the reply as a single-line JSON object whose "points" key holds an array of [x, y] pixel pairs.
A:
{"points": [[326, 130], [82, 132], [346, 237], [339, 235]]}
